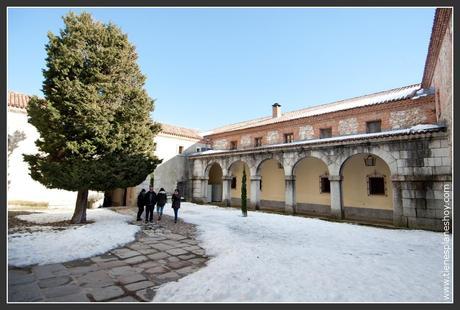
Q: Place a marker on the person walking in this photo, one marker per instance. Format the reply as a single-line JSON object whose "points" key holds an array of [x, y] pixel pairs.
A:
{"points": [[175, 203], [161, 201], [140, 204], [150, 201]]}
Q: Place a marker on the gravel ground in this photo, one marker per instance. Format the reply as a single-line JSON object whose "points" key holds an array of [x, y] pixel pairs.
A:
{"points": [[16, 225]]}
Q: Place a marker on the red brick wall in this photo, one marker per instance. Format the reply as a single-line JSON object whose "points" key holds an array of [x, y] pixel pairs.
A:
{"points": [[393, 115]]}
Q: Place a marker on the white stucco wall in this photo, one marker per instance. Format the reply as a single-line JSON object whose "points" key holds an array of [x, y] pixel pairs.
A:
{"points": [[22, 186], [174, 165]]}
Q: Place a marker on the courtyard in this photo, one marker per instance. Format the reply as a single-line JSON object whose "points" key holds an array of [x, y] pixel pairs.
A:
{"points": [[224, 257]]}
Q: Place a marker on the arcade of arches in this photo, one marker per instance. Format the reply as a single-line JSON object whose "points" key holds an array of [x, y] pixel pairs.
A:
{"points": [[395, 181]]}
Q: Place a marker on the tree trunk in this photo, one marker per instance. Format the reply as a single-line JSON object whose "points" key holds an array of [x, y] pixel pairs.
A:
{"points": [[79, 215]]}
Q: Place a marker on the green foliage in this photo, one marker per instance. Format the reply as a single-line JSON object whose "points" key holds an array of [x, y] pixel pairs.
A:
{"points": [[244, 207], [94, 123]]}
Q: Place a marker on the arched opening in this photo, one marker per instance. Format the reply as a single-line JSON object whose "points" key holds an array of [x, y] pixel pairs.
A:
{"points": [[214, 189], [312, 187], [367, 191], [236, 172], [272, 185]]}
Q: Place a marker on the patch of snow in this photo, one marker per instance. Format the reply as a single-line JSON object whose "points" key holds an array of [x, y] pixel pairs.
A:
{"points": [[109, 230], [278, 258], [48, 216]]}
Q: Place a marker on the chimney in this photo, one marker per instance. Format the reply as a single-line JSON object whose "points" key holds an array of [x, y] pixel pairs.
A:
{"points": [[276, 110]]}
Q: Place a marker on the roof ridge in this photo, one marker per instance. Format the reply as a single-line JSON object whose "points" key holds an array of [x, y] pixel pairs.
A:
{"points": [[251, 120], [354, 98]]}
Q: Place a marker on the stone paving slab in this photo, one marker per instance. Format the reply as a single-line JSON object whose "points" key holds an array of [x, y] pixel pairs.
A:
{"points": [[131, 273], [49, 271], [170, 276], [125, 299], [146, 294], [158, 256], [125, 253], [25, 292], [64, 290], [136, 260], [15, 277], [80, 297], [54, 282], [127, 279], [133, 287], [107, 293], [176, 252], [95, 279]]}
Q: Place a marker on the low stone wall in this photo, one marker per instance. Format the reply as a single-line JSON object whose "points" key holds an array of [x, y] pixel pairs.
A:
{"points": [[313, 209], [367, 214]]}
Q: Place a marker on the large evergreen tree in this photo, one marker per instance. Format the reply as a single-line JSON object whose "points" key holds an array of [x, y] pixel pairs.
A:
{"points": [[94, 123]]}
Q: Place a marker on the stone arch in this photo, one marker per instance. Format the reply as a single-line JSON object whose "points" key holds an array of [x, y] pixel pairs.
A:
{"points": [[300, 159], [209, 165], [263, 160], [234, 161], [336, 168], [367, 191], [272, 184], [235, 175], [312, 186], [214, 186]]}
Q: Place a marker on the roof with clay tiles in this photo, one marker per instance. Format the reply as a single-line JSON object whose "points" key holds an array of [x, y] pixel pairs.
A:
{"points": [[17, 100], [395, 94]]}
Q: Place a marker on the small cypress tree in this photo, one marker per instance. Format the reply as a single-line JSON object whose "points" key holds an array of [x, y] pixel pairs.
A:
{"points": [[244, 207]]}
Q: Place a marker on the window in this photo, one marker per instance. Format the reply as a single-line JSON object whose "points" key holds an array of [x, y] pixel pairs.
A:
{"points": [[288, 137], [376, 185], [374, 126], [198, 149], [233, 145], [258, 141], [325, 185], [181, 149], [233, 182], [325, 133]]}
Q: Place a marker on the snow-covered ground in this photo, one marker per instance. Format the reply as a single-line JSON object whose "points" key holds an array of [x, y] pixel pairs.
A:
{"points": [[271, 258], [109, 230]]}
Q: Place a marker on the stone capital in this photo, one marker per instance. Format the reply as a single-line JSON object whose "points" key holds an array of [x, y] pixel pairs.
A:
{"points": [[336, 178], [289, 177]]}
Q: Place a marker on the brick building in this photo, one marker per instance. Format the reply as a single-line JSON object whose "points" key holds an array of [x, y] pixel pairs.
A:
{"points": [[383, 157]]}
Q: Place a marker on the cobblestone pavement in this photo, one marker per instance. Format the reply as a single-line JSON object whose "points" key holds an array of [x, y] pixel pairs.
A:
{"points": [[131, 273]]}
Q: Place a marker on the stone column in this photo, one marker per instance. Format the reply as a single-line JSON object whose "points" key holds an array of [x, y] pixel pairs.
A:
{"points": [[255, 192], [398, 219], [204, 190], [289, 204], [226, 190], [197, 189], [336, 196]]}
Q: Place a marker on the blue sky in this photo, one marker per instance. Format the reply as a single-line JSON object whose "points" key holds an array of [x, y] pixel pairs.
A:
{"points": [[211, 67]]}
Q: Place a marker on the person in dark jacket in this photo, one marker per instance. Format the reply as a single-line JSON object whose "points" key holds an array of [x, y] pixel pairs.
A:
{"points": [[175, 203], [140, 204], [161, 201], [150, 199]]}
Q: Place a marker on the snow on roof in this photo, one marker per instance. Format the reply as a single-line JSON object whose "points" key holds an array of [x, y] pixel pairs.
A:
{"points": [[180, 131], [422, 128], [366, 100]]}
